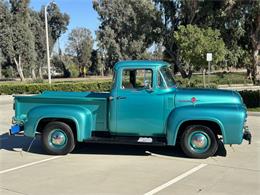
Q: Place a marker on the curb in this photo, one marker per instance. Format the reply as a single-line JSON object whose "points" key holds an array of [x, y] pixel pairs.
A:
{"points": [[253, 113]]}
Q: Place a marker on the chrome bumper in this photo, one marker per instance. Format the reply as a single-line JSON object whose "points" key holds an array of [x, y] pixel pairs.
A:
{"points": [[247, 136]]}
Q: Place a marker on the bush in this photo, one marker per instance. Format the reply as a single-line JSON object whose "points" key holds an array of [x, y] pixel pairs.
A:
{"points": [[74, 70], [251, 98], [9, 89]]}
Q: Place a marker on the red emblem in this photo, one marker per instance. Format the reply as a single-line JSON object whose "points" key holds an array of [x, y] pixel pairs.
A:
{"points": [[193, 99]]}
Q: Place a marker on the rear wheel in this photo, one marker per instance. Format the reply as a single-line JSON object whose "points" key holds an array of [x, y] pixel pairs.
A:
{"points": [[58, 138], [199, 141]]}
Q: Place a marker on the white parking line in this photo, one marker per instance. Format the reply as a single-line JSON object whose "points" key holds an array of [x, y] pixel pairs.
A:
{"points": [[29, 164], [175, 180]]}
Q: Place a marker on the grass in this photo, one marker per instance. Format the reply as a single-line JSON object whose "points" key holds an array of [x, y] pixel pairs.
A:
{"points": [[218, 79], [257, 109]]}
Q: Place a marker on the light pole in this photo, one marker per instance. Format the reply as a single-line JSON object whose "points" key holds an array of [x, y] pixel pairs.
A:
{"points": [[47, 41]]}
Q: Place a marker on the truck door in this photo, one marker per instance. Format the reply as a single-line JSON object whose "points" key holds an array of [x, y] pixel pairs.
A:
{"points": [[139, 110]]}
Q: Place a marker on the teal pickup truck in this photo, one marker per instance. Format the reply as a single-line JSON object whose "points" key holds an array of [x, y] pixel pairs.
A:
{"points": [[144, 107]]}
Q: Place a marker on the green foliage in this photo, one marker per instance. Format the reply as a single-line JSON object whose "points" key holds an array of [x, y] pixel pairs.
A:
{"points": [[74, 70], [22, 35], [34, 88], [127, 28], [22, 45], [80, 44], [215, 79], [97, 66], [194, 42]]}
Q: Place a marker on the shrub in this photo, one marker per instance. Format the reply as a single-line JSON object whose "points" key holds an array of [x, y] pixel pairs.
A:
{"points": [[9, 89], [74, 70], [251, 98]]}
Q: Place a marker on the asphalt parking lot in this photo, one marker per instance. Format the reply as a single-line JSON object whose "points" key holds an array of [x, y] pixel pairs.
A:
{"points": [[124, 169]]}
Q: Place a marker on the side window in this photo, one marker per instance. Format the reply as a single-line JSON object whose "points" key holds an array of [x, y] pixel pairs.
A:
{"points": [[137, 79]]}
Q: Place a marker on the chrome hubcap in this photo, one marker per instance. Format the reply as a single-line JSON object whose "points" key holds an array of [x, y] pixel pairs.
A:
{"points": [[199, 141], [57, 138]]}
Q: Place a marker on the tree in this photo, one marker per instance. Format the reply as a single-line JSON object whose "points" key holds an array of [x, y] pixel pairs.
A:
{"points": [[23, 50], [22, 35], [97, 64], [1, 62], [57, 22], [251, 10], [127, 28], [57, 25], [80, 44], [38, 29], [5, 33], [194, 42]]}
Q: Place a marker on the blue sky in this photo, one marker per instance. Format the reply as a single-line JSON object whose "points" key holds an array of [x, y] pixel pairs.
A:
{"points": [[81, 14]]}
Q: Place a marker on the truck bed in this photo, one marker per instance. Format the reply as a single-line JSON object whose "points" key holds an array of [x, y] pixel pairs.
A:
{"points": [[97, 103]]}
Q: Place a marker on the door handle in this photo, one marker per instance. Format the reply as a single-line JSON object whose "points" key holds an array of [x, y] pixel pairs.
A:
{"points": [[120, 97]]}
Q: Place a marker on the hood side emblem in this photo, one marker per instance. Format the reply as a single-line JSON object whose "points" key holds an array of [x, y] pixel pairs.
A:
{"points": [[192, 100]]}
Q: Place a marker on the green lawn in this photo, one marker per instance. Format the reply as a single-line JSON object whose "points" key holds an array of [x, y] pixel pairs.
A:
{"points": [[254, 109], [216, 79]]}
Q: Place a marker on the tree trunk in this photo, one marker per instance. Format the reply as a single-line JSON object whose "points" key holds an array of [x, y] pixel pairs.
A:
{"points": [[19, 68], [248, 73], [40, 72], [0, 70], [33, 74], [255, 71], [102, 70], [184, 74], [256, 47]]}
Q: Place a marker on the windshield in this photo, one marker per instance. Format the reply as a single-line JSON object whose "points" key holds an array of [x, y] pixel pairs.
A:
{"points": [[165, 77]]}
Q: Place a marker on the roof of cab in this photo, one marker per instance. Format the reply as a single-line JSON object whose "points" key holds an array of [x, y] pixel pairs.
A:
{"points": [[141, 63]]}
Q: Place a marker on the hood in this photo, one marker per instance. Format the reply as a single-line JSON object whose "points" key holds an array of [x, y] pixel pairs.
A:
{"points": [[186, 96]]}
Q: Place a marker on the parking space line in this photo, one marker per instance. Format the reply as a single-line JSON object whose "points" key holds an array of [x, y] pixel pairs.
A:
{"points": [[175, 180], [29, 164]]}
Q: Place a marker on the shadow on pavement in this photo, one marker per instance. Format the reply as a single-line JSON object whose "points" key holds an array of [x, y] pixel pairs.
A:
{"points": [[11, 143]]}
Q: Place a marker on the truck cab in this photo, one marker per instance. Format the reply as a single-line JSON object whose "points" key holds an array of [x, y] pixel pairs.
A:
{"points": [[144, 107]]}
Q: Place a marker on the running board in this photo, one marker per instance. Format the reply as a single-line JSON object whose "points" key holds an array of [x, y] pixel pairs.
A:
{"points": [[128, 140]]}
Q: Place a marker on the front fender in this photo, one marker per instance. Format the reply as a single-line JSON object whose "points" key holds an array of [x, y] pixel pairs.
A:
{"points": [[81, 116], [230, 119]]}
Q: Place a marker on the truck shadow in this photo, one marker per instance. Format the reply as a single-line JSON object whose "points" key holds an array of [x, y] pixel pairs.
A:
{"points": [[18, 143], [14, 143]]}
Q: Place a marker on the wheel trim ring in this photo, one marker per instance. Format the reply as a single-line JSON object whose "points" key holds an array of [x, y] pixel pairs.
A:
{"points": [[199, 141], [57, 139]]}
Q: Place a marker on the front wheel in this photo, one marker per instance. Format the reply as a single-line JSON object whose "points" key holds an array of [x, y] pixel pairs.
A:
{"points": [[58, 138], [199, 141]]}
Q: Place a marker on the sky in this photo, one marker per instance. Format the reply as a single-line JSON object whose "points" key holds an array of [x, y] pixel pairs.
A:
{"points": [[81, 14]]}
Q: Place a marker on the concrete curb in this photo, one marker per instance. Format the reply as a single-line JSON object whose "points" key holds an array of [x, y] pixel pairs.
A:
{"points": [[253, 114]]}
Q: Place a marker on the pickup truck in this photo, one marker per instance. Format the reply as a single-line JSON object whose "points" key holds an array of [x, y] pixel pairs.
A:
{"points": [[144, 107]]}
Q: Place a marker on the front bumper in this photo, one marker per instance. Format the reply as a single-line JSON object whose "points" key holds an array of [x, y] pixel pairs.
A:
{"points": [[247, 136]]}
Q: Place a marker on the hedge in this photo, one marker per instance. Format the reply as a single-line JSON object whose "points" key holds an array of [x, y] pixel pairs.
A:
{"points": [[250, 98], [35, 88]]}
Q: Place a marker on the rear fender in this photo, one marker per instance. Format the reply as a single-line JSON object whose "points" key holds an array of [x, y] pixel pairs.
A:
{"points": [[81, 116]]}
